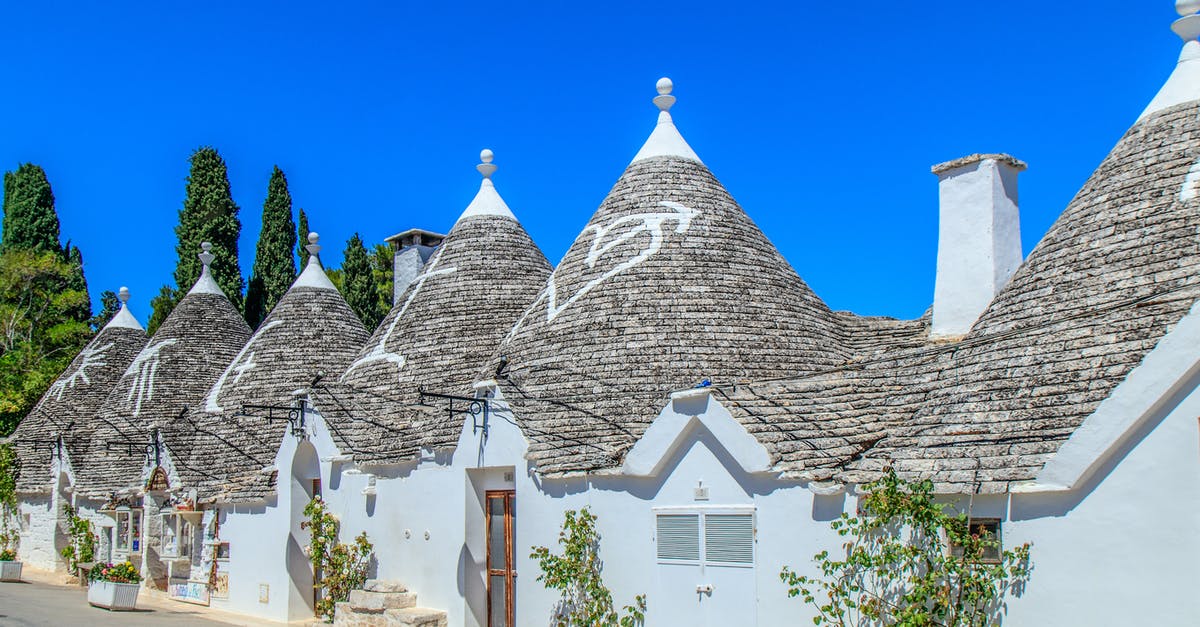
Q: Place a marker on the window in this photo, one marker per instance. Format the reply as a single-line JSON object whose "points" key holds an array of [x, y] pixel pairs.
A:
{"points": [[986, 528], [129, 530], [705, 536], [176, 536], [223, 551]]}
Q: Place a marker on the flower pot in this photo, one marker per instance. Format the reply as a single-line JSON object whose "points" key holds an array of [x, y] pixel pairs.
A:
{"points": [[114, 596], [10, 571]]}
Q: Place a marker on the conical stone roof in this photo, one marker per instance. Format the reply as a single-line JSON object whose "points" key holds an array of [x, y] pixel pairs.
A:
{"points": [[168, 377], [1113, 275], [448, 322], [310, 334], [670, 283], [68, 408]]}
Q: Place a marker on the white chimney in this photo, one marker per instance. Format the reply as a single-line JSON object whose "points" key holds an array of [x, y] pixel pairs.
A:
{"points": [[979, 238], [412, 249]]}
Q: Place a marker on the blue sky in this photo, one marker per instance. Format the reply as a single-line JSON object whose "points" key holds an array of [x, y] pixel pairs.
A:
{"points": [[822, 119]]}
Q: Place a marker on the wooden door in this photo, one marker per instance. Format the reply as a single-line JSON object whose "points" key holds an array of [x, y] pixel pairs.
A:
{"points": [[500, 566]]}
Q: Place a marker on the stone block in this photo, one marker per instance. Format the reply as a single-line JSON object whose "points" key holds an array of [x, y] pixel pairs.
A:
{"points": [[416, 617], [384, 585], [367, 601], [345, 616]]}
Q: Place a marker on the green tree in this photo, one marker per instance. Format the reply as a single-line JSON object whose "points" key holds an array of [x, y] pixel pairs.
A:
{"points": [[43, 324], [358, 283], [160, 307], [897, 570], [302, 239], [109, 306], [274, 263], [30, 221], [383, 270], [208, 215], [585, 601]]}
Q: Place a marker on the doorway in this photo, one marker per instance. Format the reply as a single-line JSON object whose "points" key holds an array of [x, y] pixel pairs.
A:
{"points": [[501, 516]]}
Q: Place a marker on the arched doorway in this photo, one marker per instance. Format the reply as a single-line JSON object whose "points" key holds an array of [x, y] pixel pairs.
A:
{"points": [[304, 484]]}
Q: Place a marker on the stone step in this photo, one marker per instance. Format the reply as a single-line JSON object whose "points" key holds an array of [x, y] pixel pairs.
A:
{"points": [[416, 617], [376, 602], [343, 616], [384, 585]]}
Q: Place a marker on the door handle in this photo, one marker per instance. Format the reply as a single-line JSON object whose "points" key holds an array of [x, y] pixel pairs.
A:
{"points": [[706, 588]]}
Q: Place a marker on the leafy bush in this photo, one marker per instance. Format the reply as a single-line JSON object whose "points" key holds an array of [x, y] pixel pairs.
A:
{"points": [[116, 573], [897, 569], [8, 555], [585, 600], [82, 548], [342, 567], [10, 533]]}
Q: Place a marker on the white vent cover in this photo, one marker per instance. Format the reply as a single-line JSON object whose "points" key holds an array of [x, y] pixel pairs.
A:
{"points": [[679, 537], [729, 538]]}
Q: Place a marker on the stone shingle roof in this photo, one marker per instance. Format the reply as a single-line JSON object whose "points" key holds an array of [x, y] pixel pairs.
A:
{"points": [[447, 323], [1111, 277], [668, 284], [169, 376], [69, 406], [311, 334]]}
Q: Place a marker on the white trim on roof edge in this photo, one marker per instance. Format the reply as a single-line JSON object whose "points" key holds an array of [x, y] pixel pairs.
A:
{"points": [[1164, 372], [124, 320], [487, 203], [671, 429], [1183, 85], [314, 276]]}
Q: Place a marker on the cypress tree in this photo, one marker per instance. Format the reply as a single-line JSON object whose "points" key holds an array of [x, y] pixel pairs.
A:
{"points": [[109, 306], [274, 265], [358, 284], [208, 215], [302, 239], [30, 222]]}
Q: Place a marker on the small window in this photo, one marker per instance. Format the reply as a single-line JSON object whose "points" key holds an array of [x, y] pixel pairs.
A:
{"points": [[223, 551], [988, 529], [717, 537], [129, 531], [176, 536]]}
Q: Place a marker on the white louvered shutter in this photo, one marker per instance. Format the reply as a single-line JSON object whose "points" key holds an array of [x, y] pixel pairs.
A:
{"points": [[679, 537], [729, 538]]}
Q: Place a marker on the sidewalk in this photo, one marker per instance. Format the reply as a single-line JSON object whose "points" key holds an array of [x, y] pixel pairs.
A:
{"points": [[48, 598]]}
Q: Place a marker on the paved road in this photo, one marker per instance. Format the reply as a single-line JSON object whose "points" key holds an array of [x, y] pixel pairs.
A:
{"points": [[43, 605]]}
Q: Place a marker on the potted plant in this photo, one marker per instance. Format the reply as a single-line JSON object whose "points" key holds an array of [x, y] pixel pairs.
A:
{"points": [[113, 586], [10, 568]]}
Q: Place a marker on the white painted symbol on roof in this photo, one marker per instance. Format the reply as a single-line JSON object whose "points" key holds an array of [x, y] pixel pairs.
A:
{"points": [[92, 358], [379, 351], [210, 403], [649, 223], [143, 369], [1191, 184]]}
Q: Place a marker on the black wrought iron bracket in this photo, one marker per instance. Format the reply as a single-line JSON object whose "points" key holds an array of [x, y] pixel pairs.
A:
{"points": [[54, 446], [152, 450], [293, 414], [478, 408]]}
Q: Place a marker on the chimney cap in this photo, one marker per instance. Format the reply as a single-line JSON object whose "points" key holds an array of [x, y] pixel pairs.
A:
{"points": [[415, 236], [1006, 159]]}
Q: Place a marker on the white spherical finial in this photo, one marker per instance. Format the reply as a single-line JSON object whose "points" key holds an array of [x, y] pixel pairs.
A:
{"points": [[206, 257], [206, 247], [487, 168], [123, 294], [313, 247], [1187, 7], [664, 99]]}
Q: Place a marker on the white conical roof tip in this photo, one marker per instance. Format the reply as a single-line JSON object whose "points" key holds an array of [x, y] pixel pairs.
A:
{"points": [[205, 284], [123, 318], [487, 202], [665, 141], [1184, 84], [313, 274]]}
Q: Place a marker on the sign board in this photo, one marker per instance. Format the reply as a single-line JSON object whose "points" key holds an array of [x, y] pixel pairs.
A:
{"points": [[221, 589], [188, 591]]}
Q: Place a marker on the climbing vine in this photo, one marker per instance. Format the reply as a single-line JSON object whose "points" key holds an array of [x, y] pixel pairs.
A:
{"points": [[82, 547], [10, 532], [343, 567], [897, 569], [576, 574]]}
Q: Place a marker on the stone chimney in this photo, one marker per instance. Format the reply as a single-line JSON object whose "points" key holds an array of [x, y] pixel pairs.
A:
{"points": [[979, 238], [412, 249]]}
